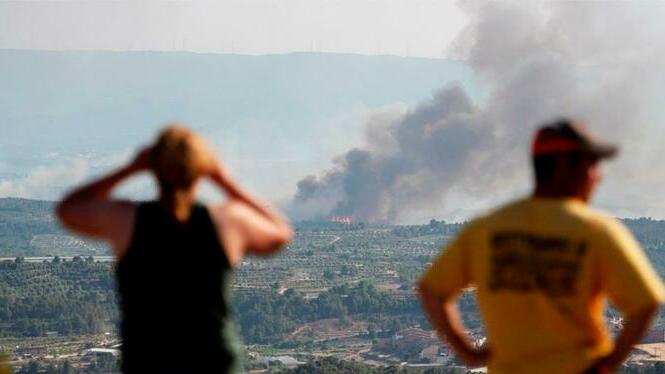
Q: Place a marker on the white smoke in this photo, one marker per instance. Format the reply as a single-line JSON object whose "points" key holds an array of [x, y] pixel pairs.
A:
{"points": [[45, 182], [52, 181], [540, 61]]}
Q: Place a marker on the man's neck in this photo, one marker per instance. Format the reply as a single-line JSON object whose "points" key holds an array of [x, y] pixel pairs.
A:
{"points": [[549, 192], [178, 202]]}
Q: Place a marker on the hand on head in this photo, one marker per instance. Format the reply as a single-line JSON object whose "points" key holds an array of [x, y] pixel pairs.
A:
{"points": [[211, 166], [179, 153]]}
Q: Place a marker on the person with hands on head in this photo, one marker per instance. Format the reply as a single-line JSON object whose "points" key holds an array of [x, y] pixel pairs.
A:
{"points": [[175, 256], [543, 267]]}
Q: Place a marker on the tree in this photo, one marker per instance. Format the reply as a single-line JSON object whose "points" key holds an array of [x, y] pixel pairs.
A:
{"points": [[328, 275], [659, 367], [51, 369], [66, 368], [33, 367]]}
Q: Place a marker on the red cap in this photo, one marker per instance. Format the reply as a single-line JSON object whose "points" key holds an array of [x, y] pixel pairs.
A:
{"points": [[566, 136]]}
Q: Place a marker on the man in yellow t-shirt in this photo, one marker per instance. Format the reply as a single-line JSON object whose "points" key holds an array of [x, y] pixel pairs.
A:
{"points": [[543, 267]]}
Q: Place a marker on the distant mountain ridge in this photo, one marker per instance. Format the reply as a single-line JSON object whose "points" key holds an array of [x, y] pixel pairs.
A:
{"points": [[53, 98]]}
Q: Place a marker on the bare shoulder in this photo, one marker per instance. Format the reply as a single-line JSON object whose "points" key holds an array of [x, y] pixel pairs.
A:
{"points": [[245, 230], [230, 212]]}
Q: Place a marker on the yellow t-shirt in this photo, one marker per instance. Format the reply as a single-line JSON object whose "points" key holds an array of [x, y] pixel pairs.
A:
{"points": [[542, 269]]}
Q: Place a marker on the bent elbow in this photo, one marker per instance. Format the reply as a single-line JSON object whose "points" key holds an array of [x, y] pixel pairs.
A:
{"points": [[286, 235], [277, 242], [281, 240]]}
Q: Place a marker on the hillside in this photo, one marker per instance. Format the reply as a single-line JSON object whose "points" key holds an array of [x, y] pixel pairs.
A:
{"points": [[340, 290], [21, 220], [73, 297], [28, 228]]}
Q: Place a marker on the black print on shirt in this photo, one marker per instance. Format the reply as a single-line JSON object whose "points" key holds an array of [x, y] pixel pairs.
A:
{"points": [[526, 262]]}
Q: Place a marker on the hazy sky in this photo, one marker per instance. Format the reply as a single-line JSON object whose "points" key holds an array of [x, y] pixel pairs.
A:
{"points": [[397, 27]]}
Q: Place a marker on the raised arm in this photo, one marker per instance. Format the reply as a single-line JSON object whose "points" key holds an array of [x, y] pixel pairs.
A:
{"points": [[438, 289], [89, 211], [246, 224], [443, 314]]}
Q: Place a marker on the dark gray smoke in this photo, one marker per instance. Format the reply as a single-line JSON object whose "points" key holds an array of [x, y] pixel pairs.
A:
{"points": [[540, 61]]}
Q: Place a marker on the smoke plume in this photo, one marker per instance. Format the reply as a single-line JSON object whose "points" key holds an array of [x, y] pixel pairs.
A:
{"points": [[539, 61]]}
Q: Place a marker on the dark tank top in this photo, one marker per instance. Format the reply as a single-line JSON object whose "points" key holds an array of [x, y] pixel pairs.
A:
{"points": [[174, 283]]}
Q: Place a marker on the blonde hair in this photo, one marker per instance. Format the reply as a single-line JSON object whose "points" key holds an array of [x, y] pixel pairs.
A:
{"points": [[178, 158]]}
